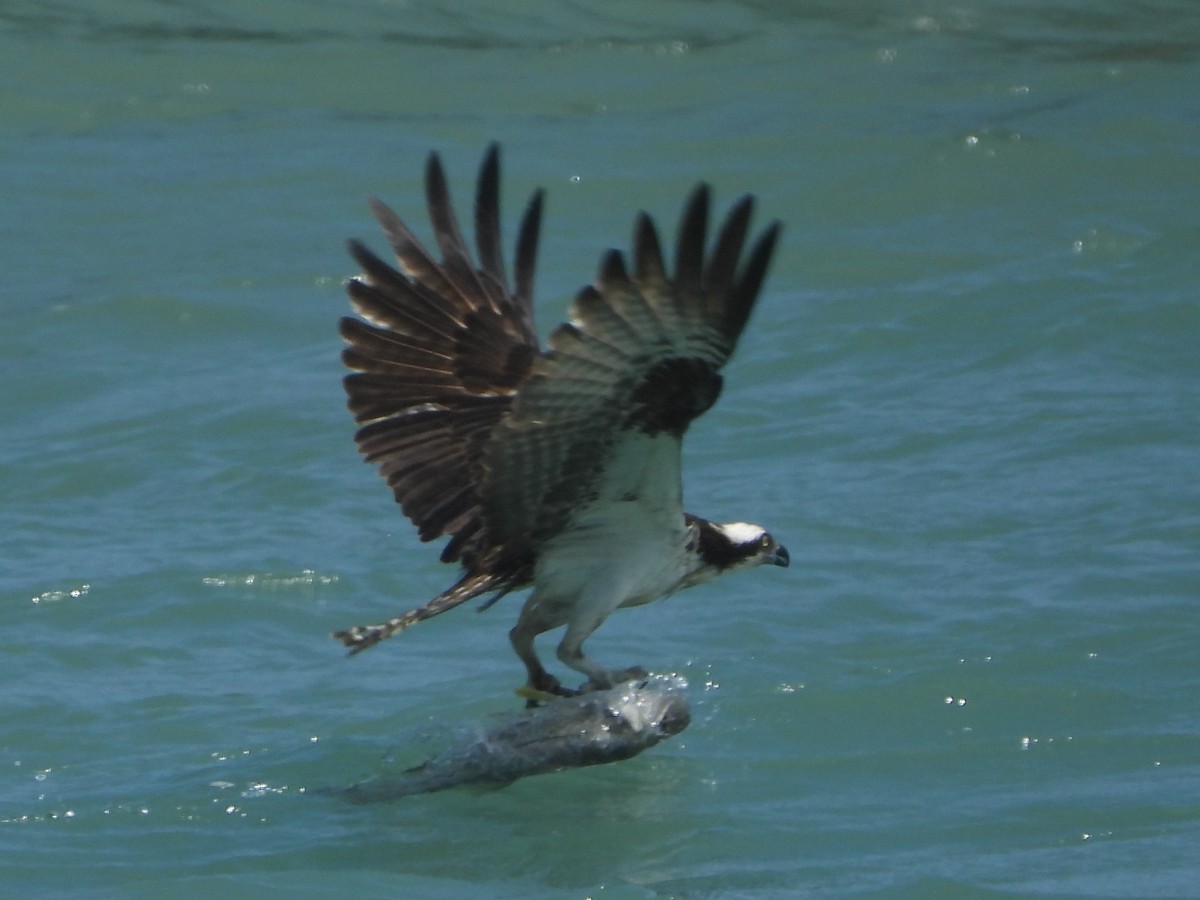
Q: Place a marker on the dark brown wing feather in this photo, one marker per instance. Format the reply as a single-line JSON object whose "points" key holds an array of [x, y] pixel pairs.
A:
{"points": [[479, 436], [642, 353], [440, 354]]}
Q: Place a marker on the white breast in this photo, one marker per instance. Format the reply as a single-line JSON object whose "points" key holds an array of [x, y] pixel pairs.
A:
{"points": [[625, 547]]}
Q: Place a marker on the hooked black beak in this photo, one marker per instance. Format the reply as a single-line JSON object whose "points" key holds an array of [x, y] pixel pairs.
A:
{"points": [[780, 557]]}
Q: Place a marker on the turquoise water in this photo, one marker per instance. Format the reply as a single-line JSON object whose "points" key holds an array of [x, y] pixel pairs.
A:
{"points": [[967, 403]]}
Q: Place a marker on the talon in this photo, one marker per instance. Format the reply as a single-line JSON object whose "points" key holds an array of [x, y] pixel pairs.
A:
{"points": [[533, 697], [543, 689]]}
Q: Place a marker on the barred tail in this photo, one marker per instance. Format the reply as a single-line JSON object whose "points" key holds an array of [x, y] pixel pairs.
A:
{"points": [[360, 637]]}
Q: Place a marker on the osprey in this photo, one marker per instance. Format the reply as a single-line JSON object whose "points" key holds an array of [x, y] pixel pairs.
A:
{"points": [[556, 469]]}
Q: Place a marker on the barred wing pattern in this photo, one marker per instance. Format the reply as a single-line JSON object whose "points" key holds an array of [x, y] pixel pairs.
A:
{"points": [[486, 440], [438, 360], [641, 354]]}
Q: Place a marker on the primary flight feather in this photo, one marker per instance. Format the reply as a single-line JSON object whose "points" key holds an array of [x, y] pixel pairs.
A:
{"points": [[556, 469]]}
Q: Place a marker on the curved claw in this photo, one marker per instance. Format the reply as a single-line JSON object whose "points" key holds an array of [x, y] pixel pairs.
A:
{"points": [[543, 689], [533, 697]]}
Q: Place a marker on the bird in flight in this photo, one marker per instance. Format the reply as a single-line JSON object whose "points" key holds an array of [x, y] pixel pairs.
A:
{"points": [[555, 469]]}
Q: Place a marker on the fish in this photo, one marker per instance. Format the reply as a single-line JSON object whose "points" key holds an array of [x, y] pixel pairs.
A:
{"points": [[590, 729]]}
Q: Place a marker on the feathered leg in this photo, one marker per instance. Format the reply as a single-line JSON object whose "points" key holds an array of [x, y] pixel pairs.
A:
{"points": [[534, 620], [570, 651]]}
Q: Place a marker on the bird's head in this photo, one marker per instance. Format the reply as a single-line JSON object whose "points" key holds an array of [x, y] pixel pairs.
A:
{"points": [[733, 546], [750, 545]]}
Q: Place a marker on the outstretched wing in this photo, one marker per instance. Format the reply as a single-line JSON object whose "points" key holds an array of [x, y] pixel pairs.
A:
{"points": [[639, 358], [441, 354]]}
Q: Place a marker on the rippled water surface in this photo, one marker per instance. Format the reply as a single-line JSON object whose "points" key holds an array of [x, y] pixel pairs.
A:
{"points": [[967, 403]]}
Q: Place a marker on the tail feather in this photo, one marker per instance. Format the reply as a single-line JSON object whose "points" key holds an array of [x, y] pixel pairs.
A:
{"points": [[359, 637]]}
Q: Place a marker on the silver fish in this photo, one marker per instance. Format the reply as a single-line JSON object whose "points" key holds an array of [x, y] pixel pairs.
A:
{"points": [[568, 732]]}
